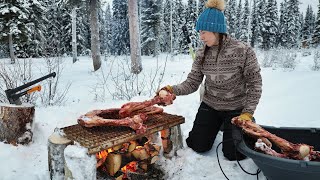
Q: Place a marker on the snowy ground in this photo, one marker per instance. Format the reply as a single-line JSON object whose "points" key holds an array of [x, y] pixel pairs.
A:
{"points": [[290, 98]]}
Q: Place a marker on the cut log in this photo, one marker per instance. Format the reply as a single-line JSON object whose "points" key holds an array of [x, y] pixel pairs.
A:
{"points": [[16, 123], [56, 145], [113, 163]]}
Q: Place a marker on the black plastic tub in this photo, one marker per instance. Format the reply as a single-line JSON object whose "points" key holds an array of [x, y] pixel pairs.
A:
{"points": [[275, 168]]}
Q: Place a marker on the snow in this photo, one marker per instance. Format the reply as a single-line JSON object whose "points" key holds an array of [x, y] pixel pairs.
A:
{"points": [[290, 98]]}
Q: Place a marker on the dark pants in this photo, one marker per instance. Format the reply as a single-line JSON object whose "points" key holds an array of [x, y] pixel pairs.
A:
{"points": [[206, 127]]}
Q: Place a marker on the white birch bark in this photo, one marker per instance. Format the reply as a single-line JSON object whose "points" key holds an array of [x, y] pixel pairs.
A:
{"points": [[74, 34], [135, 47], [12, 56], [95, 41]]}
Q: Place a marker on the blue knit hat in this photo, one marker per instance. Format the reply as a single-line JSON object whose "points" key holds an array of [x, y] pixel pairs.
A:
{"points": [[212, 18]]}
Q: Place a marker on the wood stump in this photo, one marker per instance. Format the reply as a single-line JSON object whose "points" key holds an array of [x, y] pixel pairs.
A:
{"points": [[16, 123], [56, 145]]}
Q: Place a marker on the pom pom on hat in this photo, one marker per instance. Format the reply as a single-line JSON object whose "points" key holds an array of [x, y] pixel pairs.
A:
{"points": [[218, 4], [212, 18]]}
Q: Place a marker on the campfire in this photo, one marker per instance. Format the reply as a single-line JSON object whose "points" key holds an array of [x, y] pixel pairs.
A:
{"points": [[119, 141], [134, 157]]}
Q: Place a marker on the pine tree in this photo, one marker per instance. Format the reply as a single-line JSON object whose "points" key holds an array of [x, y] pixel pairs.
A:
{"points": [[244, 20], [34, 46], [254, 22], [239, 20], [201, 6], [120, 28], [270, 26], [283, 25], [293, 24], [316, 34], [150, 26], [14, 15], [106, 41], [165, 37], [260, 31], [231, 17]]}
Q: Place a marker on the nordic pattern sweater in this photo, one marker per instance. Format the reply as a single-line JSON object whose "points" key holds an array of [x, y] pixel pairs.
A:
{"points": [[233, 80]]}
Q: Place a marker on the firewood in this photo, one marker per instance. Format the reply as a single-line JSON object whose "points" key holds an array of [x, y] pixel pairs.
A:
{"points": [[132, 146], [140, 153], [113, 163]]}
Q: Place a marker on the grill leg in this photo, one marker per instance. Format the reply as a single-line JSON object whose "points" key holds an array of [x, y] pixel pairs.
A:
{"points": [[171, 141]]}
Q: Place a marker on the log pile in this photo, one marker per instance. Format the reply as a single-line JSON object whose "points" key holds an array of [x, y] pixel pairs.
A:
{"points": [[128, 157], [265, 139]]}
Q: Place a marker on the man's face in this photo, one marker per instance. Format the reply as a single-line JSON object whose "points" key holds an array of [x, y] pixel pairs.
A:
{"points": [[209, 38]]}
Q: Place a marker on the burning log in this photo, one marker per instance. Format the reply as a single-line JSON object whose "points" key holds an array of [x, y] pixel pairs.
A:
{"points": [[113, 163], [289, 150], [16, 123]]}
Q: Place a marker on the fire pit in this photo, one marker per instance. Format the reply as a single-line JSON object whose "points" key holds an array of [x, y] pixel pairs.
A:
{"points": [[99, 139]]}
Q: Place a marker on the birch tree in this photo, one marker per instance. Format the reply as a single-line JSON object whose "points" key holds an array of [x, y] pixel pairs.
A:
{"points": [[95, 40], [135, 48]]}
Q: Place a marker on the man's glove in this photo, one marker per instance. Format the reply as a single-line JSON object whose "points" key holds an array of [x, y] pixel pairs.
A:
{"points": [[246, 116], [166, 88]]}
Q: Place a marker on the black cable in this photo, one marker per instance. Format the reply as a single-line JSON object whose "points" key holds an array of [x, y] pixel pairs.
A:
{"points": [[253, 174]]}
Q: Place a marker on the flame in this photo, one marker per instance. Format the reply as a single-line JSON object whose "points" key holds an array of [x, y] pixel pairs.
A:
{"points": [[131, 166]]}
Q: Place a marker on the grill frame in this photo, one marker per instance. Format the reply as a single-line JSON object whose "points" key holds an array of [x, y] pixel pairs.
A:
{"points": [[96, 139]]}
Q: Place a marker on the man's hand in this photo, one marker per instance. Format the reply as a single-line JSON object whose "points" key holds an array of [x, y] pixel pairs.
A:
{"points": [[166, 88], [246, 116], [166, 94]]}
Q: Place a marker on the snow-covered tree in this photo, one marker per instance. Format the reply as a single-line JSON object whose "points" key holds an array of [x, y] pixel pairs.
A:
{"points": [[231, 17], [283, 24], [245, 31], [106, 41], [293, 24], [316, 34], [150, 26], [14, 15], [239, 23], [270, 28], [120, 27], [165, 37]]}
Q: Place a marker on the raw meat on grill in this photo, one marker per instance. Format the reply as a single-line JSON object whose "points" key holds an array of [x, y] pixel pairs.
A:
{"points": [[135, 122], [164, 98], [131, 114], [288, 149]]}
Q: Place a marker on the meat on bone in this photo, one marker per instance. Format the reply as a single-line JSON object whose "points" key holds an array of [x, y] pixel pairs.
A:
{"points": [[135, 122], [131, 114], [164, 98], [289, 150]]}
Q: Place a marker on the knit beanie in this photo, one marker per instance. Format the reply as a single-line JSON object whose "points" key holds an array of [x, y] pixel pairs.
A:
{"points": [[212, 18]]}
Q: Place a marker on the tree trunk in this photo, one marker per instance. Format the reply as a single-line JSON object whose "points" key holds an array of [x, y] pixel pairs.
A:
{"points": [[95, 42], [16, 123], [74, 34], [12, 56], [136, 66], [56, 162]]}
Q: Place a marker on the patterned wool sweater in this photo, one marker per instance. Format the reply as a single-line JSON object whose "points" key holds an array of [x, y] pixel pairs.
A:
{"points": [[233, 80]]}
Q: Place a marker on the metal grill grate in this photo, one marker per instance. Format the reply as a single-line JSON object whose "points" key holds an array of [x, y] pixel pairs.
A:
{"points": [[97, 139]]}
